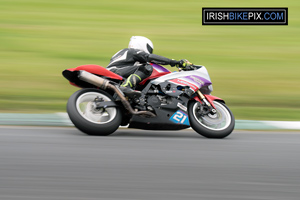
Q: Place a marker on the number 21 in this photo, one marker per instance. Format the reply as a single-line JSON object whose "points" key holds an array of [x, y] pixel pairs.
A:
{"points": [[179, 117]]}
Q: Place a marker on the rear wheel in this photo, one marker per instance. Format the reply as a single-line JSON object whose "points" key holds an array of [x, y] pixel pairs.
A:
{"points": [[218, 125], [86, 117]]}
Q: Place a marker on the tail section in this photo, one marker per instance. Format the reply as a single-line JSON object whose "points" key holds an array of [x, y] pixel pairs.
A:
{"points": [[72, 74]]}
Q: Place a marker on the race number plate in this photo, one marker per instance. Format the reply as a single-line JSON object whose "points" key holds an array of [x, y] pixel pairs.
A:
{"points": [[180, 117]]}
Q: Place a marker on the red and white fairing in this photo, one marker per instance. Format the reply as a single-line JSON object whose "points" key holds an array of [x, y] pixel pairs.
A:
{"points": [[195, 79]]}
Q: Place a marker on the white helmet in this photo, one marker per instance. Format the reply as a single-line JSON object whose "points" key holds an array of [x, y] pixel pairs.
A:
{"points": [[141, 43]]}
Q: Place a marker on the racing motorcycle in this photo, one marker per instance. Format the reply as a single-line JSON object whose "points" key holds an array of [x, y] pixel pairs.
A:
{"points": [[168, 101]]}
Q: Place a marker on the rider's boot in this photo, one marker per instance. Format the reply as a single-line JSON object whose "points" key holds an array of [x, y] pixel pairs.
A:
{"points": [[130, 83]]}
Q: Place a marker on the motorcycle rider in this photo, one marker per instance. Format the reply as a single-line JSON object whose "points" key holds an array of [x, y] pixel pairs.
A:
{"points": [[132, 63]]}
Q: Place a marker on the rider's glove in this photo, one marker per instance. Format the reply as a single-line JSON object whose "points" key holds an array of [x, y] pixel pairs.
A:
{"points": [[185, 64]]}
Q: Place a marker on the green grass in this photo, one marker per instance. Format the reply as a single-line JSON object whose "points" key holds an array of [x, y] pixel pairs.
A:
{"points": [[255, 69]]}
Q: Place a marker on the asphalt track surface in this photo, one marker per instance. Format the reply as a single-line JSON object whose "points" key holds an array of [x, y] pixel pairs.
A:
{"points": [[41, 163]]}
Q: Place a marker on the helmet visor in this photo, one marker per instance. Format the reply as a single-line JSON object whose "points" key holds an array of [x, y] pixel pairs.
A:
{"points": [[149, 48]]}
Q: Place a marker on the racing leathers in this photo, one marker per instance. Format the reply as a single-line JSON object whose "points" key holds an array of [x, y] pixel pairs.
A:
{"points": [[133, 64]]}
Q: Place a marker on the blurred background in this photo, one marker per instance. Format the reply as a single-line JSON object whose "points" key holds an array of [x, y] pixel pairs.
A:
{"points": [[255, 69]]}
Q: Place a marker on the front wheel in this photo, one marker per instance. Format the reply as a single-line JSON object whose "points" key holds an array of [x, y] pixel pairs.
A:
{"points": [[218, 125], [88, 118]]}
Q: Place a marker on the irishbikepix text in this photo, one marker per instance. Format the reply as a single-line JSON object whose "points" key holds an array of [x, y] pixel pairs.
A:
{"points": [[244, 16]]}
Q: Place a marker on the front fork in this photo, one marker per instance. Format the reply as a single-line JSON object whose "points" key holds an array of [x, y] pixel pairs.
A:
{"points": [[211, 107]]}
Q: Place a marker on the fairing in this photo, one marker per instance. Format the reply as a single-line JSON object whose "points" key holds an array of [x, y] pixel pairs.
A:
{"points": [[194, 79]]}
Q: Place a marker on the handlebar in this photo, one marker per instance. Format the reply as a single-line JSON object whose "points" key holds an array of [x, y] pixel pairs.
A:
{"points": [[197, 66], [190, 68]]}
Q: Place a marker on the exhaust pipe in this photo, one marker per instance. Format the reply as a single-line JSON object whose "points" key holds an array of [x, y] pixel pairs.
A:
{"points": [[104, 84], [93, 79]]}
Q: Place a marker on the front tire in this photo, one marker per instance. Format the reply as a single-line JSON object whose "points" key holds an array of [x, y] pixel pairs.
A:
{"points": [[87, 118], [218, 125]]}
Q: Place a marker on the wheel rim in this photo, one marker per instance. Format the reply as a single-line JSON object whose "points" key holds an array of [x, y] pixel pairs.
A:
{"points": [[218, 121], [86, 108]]}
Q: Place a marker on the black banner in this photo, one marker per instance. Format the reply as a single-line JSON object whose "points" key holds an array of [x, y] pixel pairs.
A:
{"points": [[244, 16]]}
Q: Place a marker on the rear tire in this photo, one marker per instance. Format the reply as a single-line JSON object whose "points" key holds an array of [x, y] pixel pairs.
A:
{"points": [[219, 125], [85, 117]]}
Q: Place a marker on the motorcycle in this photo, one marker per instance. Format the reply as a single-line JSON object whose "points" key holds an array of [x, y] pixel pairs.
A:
{"points": [[168, 101]]}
